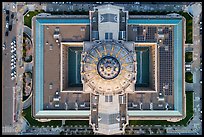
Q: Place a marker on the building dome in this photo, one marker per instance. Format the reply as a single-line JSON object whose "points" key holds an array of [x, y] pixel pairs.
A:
{"points": [[108, 67]]}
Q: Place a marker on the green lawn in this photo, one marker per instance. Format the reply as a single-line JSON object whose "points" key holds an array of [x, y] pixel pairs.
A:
{"points": [[184, 14], [188, 26], [189, 77], [27, 114], [28, 20], [188, 56], [76, 122], [189, 114]]}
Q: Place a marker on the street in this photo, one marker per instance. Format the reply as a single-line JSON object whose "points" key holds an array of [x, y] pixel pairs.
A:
{"points": [[8, 85]]}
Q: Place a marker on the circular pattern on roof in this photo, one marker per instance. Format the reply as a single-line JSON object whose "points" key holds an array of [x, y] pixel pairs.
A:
{"points": [[108, 67]]}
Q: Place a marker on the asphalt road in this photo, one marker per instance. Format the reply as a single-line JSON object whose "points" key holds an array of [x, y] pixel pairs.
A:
{"points": [[8, 85], [12, 89], [128, 6]]}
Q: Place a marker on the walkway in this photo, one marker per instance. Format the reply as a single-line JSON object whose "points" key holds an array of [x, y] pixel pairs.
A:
{"points": [[27, 102], [27, 30]]}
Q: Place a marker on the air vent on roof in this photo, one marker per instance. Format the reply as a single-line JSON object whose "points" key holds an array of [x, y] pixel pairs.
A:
{"points": [[166, 48], [50, 86], [51, 46], [82, 29]]}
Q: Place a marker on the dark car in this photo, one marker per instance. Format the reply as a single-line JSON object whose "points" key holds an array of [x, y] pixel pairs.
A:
{"points": [[6, 34], [10, 27], [7, 11], [12, 15], [7, 18]]}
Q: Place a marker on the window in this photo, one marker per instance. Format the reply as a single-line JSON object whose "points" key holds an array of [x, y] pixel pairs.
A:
{"points": [[106, 98], [109, 98], [108, 35]]}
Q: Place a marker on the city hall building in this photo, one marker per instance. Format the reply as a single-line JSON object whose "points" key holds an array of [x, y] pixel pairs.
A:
{"points": [[109, 68]]}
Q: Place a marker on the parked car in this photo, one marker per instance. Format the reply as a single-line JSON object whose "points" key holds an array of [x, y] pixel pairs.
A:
{"points": [[188, 65], [7, 11], [4, 46], [6, 33], [12, 15], [188, 69], [7, 18], [10, 27], [7, 25]]}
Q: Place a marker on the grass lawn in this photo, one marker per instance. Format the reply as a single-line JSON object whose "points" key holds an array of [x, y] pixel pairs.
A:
{"points": [[54, 123], [189, 77], [189, 114], [188, 56], [28, 20], [184, 14], [188, 26], [76, 122], [27, 114]]}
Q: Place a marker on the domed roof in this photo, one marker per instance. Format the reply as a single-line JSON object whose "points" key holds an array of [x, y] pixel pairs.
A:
{"points": [[108, 67]]}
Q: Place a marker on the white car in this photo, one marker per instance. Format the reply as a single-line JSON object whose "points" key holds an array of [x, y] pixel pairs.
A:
{"points": [[7, 25], [188, 69], [12, 43], [188, 65], [4, 46]]}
